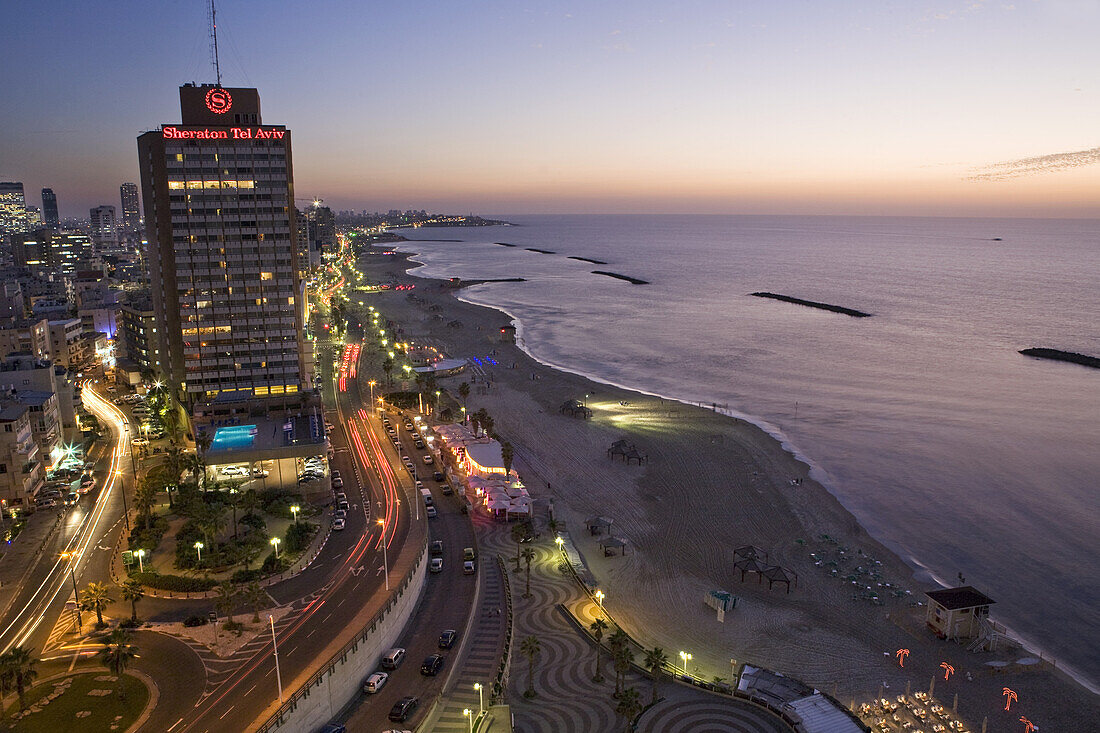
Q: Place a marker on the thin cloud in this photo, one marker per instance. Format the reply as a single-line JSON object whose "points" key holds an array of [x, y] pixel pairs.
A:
{"points": [[1032, 166]]}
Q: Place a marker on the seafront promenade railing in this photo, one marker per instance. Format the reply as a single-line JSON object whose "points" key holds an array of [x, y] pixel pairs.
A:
{"points": [[276, 719]]}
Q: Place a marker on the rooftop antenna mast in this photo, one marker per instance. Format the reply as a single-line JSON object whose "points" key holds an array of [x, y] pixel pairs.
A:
{"points": [[214, 42]]}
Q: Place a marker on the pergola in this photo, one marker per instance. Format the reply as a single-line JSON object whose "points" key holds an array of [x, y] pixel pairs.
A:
{"points": [[610, 544], [598, 525], [749, 552], [777, 574], [750, 565], [574, 408]]}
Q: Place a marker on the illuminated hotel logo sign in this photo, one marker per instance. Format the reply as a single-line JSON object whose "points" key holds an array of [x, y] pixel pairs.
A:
{"points": [[218, 101], [232, 133]]}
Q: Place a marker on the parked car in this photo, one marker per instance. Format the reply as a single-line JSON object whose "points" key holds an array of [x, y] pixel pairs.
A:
{"points": [[428, 460], [432, 665], [469, 567], [338, 483], [468, 553], [341, 496], [393, 658], [419, 444], [403, 708], [447, 639], [436, 566], [431, 512], [438, 476], [436, 548], [375, 682], [338, 524]]}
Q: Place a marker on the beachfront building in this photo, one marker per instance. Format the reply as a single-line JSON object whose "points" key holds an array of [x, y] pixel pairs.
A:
{"points": [[484, 459], [957, 613]]}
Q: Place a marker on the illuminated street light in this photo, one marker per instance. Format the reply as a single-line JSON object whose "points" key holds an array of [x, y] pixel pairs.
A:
{"points": [[198, 547], [687, 658], [76, 593], [385, 560], [294, 510], [140, 556], [560, 542], [466, 713], [275, 542], [480, 698], [599, 599]]}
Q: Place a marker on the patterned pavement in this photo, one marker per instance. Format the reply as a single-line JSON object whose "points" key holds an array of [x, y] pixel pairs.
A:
{"points": [[567, 699]]}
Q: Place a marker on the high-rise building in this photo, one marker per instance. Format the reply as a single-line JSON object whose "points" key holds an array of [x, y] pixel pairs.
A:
{"points": [[49, 252], [218, 194], [131, 214], [13, 208], [49, 209], [104, 226]]}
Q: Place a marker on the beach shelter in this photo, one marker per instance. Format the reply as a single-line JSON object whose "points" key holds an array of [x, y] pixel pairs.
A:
{"points": [[777, 574], [633, 454], [749, 552], [519, 508], [750, 565], [497, 506], [599, 525], [610, 544]]}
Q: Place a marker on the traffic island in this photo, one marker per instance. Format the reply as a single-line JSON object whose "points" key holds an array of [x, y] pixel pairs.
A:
{"points": [[90, 701]]}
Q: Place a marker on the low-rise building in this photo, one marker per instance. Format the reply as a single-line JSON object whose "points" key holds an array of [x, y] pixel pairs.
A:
{"points": [[957, 613], [23, 371], [66, 342], [21, 470]]}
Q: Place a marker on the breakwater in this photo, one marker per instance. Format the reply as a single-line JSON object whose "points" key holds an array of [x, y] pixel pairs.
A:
{"points": [[587, 259], [617, 276], [504, 244], [814, 304], [540, 251], [1058, 355]]}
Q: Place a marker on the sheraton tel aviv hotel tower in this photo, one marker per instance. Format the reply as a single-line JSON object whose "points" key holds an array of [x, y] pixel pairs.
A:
{"points": [[227, 291]]}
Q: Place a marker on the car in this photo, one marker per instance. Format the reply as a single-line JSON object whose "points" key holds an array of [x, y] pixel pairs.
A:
{"points": [[343, 505], [468, 553], [338, 524], [139, 442], [341, 496], [469, 567], [232, 471], [438, 476], [436, 566], [260, 473], [392, 659], [447, 639], [428, 460], [436, 548], [336, 474], [71, 498], [403, 708], [431, 666], [375, 682], [391, 431], [414, 435], [338, 483], [419, 444], [308, 478], [45, 503], [447, 490], [431, 512], [314, 473], [340, 514], [419, 485]]}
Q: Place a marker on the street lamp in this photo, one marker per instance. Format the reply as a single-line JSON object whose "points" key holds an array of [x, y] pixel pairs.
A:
{"points": [[198, 547], [687, 658], [372, 383], [466, 713], [141, 564], [294, 510], [560, 542], [599, 599], [480, 698], [385, 560], [275, 542], [76, 593], [122, 490]]}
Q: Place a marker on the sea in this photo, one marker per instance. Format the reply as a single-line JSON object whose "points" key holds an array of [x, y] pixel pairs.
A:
{"points": [[968, 459]]}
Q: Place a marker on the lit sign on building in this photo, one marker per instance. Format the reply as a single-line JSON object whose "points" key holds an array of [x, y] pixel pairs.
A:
{"points": [[219, 101], [233, 133]]}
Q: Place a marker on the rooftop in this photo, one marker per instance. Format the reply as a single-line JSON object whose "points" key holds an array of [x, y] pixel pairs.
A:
{"points": [[954, 599]]}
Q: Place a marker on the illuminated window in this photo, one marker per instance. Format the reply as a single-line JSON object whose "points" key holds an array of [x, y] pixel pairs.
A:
{"points": [[290, 300], [265, 275], [179, 157], [261, 392], [175, 185], [194, 184]]}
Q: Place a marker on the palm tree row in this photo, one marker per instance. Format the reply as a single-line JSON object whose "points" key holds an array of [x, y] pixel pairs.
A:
{"points": [[16, 672]]}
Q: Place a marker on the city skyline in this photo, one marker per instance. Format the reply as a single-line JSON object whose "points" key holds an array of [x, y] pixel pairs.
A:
{"points": [[935, 108]]}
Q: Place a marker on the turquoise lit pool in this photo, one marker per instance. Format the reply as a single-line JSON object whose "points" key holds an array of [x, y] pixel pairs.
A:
{"points": [[236, 436]]}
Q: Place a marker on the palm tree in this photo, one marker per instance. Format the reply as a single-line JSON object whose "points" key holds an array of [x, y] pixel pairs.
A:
{"points": [[211, 523], [117, 652], [226, 600], [507, 453], [133, 592], [530, 647], [655, 661], [487, 424], [623, 659], [7, 679], [597, 628], [257, 598], [96, 597], [616, 643], [528, 556], [482, 419], [464, 392], [387, 367], [519, 534], [21, 663], [145, 498], [234, 501], [630, 704]]}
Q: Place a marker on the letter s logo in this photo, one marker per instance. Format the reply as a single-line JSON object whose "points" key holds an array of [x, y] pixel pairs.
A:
{"points": [[218, 101]]}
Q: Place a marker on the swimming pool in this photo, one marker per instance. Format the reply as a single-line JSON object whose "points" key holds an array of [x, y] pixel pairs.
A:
{"points": [[236, 436]]}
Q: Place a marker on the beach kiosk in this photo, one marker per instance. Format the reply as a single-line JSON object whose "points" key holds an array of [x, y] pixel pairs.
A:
{"points": [[957, 613]]}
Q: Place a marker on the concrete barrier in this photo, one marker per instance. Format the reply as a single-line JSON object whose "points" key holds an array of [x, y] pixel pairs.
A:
{"points": [[337, 681]]}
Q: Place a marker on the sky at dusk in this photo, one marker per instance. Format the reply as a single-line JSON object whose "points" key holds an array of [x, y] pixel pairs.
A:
{"points": [[497, 107]]}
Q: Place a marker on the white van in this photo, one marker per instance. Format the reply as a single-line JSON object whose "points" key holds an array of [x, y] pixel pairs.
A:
{"points": [[427, 494], [393, 658]]}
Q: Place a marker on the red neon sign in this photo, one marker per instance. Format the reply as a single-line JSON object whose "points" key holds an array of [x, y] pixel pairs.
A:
{"points": [[219, 101], [232, 133]]}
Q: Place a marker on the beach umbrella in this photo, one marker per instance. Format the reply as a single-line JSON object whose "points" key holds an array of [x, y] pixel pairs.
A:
{"points": [[519, 509], [496, 505]]}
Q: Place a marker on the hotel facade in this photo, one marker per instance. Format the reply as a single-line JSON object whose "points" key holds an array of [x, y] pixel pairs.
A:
{"points": [[218, 195]]}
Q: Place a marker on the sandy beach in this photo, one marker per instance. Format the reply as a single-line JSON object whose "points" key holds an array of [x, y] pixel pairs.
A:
{"points": [[710, 484]]}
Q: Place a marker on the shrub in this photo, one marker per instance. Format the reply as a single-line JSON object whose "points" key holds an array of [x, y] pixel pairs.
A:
{"points": [[148, 539], [176, 583], [253, 521], [298, 536], [194, 621], [273, 564], [247, 576]]}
